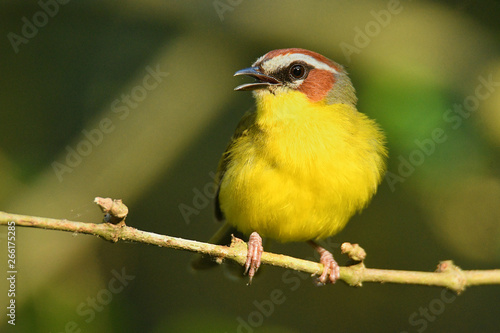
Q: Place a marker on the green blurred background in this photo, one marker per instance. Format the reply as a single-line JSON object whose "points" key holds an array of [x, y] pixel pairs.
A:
{"points": [[419, 68]]}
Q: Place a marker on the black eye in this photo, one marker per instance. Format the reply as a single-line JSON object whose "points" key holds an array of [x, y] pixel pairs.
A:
{"points": [[297, 71]]}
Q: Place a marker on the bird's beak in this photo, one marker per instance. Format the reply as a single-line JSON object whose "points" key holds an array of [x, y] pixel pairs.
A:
{"points": [[261, 80]]}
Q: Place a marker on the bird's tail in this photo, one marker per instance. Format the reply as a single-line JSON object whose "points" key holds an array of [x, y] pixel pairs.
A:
{"points": [[221, 237]]}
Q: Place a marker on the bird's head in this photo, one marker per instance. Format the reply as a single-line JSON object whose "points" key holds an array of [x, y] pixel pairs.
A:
{"points": [[284, 70]]}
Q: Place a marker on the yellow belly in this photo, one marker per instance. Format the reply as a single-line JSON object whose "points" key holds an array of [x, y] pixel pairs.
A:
{"points": [[301, 177]]}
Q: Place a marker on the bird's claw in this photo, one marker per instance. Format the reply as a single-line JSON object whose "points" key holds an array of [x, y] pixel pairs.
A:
{"points": [[331, 270], [254, 255]]}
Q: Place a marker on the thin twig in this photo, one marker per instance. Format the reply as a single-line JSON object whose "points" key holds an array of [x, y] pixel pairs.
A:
{"points": [[447, 275]]}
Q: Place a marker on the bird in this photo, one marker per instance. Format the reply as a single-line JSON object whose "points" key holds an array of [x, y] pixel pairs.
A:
{"points": [[300, 164]]}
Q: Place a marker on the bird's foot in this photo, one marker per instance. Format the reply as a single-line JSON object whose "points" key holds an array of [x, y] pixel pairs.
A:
{"points": [[331, 270], [254, 255]]}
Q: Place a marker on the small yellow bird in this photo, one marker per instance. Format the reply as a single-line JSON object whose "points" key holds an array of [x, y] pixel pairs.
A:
{"points": [[304, 162]]}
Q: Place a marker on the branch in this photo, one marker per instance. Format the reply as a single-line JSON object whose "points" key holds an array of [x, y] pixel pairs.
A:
{"points": [[447, 275]]}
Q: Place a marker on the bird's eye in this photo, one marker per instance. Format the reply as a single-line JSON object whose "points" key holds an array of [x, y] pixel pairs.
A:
{"points": [[297, 71]]}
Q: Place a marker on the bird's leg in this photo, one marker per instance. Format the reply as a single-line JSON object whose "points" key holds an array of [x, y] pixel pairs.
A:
{"points": [[254, 254], [330, 267]]}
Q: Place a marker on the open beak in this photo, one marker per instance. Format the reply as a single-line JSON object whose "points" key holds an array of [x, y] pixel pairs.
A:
{"points": [[261, 80]]}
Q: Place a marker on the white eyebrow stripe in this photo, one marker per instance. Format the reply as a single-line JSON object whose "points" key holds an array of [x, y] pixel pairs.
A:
{"points": [[285, 60]]}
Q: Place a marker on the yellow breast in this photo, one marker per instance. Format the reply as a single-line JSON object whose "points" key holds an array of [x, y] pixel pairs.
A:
{"points": [[302, 169]]}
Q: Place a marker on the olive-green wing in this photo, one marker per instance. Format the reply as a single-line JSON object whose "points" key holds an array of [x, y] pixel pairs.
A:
{"points": [[223, 235], [245, 123]]}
